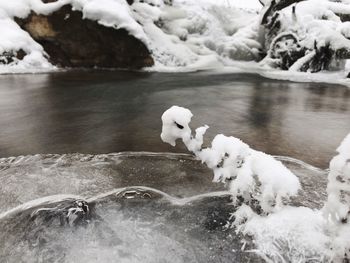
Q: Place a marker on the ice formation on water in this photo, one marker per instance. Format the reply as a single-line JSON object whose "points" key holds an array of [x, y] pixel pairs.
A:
{"points": [[284, 233], [253, 175], [134, 224]]}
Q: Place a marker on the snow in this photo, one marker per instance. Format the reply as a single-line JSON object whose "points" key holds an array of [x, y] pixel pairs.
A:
{"points": [[188, 35], [175, 125], [300, 234], [281, 233], [254, 175], [294, 234], [12, 38], [312, 25], [111, 13], [338, 205], [115, 14]]}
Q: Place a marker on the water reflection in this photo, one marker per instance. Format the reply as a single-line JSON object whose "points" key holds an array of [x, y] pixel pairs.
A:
{"points": [[322, 98], [108, 111], [267, 121]]}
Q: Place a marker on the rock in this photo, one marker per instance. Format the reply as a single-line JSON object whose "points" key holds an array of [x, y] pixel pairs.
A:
{"points": [[9, 57], [71, 41]]}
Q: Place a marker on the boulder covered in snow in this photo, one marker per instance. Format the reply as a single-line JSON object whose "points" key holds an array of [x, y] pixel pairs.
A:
{"points": [[72, 41]]}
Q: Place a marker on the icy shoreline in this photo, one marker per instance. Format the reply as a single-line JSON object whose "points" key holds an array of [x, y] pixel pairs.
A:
{"points": [[330, 77], [335, 77]]}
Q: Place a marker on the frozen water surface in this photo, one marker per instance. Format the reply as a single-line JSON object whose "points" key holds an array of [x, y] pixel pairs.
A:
{"points": [[31, 177], [89, 208]]}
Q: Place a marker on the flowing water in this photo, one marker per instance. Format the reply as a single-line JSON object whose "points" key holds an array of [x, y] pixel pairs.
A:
{"points": [[100, 205]]}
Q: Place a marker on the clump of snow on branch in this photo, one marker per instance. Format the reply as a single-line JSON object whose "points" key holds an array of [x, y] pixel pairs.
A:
{"points": [[337, 208], [252, 175]]}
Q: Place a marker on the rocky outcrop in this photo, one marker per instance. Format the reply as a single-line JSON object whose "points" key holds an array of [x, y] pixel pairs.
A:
{"points": [[71, 41]]}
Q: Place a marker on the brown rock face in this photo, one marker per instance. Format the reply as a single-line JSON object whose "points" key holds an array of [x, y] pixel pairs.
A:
{"points": [[71, 41]]}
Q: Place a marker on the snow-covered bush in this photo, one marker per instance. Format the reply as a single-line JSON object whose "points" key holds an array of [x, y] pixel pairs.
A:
{"points": [[337, 208], [306, 36], [254, 178], [259, 182]]}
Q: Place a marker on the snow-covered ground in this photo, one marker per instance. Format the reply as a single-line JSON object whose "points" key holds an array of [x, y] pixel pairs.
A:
{"points": [[188, 35]]}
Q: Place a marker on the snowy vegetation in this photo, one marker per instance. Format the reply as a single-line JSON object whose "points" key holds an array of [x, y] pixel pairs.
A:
{"points": [[290, 35], [260, 188], [307, 36], [255, 178]]}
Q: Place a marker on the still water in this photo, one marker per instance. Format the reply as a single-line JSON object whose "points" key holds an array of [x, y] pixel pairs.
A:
{"points": [[112, 111]]}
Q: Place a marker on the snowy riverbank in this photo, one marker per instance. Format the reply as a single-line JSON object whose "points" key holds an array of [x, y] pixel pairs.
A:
{"points": [[184, 35]]}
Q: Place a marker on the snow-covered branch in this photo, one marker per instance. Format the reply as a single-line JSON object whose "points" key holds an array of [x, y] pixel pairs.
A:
{"points": [[253, 176], [337, 207]]}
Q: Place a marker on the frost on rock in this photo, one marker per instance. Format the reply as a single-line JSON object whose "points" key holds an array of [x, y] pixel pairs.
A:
{"points": [[254, 178]]}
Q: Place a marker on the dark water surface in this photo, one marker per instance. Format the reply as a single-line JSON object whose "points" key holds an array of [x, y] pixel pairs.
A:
{"points": [[111, 111]]}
